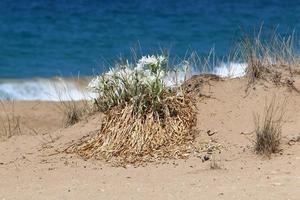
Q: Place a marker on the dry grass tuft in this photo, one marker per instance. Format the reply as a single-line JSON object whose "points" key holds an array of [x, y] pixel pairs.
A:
{"points": [[270, 58], [73, 111], [9, 122], [268, 129], [130, 138]]}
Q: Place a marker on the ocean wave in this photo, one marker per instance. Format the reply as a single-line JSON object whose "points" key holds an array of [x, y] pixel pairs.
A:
{"points": [[231, 70], [42, 89], [60, 89]]}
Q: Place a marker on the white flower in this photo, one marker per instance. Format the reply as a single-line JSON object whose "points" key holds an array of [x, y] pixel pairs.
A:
{"points": [[94, 84], [147, 72], [119, 81], [139, 66], [110, 73], [161, 59], [151, 78], [161, 74], [148, 60]]}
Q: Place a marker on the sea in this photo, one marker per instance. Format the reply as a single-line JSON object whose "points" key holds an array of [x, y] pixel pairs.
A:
{"points": [[47, 45]]}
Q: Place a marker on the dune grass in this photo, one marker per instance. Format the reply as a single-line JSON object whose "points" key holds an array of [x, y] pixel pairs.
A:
{"points": [[270, 57], [268, 129], [9, 121], [72, 110]]}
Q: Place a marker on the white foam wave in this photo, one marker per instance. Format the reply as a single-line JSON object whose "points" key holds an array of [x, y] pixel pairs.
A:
{"points": [[231, 70], [42, 89]]}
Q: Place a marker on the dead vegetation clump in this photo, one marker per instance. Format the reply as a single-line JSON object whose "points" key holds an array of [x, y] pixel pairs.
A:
{"points": [[270, 58], [9, 121], [268, 129], [129, 138]]}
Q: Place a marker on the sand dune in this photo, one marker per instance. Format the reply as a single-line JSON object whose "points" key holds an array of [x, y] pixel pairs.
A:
{"points": [[31, 166]]}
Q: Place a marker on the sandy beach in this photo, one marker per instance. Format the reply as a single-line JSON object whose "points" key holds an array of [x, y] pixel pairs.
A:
{"points": [[154, 100], [32, 166]]}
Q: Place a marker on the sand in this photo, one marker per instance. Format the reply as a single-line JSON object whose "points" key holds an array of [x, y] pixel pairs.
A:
{"points": [[32, 168]]}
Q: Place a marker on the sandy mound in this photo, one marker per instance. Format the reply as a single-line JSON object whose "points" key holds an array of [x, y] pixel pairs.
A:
{"points": [[224, 116]]}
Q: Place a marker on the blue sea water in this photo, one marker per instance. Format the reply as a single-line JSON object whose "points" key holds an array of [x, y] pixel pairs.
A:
{"points": [[48, 38]]}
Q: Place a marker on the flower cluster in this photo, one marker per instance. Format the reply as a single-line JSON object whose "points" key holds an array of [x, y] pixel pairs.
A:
{"points": [[127, 82], [151, 62]]}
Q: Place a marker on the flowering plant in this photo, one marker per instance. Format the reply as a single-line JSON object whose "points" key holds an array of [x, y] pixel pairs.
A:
{"points": [[142, 84], [145, 118]]}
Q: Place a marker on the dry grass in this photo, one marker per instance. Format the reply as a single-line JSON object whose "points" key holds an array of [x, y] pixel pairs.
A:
{"points": [[270, 58], [9, 122], [74, 111], [130, 138], [268, 129]]}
